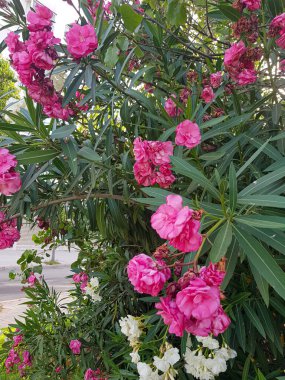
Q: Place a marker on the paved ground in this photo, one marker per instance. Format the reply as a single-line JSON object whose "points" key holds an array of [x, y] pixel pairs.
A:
{"points": [[11, 296]]}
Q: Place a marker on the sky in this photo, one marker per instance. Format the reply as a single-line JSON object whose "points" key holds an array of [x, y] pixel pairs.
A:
{"points": [[65, 14]]}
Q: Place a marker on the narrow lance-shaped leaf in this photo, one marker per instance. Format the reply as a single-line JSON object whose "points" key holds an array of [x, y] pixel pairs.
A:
{"points": [[222, 242], [261, 259]]}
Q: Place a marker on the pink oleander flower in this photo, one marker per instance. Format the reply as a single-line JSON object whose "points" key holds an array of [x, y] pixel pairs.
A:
{"points": [[171, 316], [251, 5], [189, 239], [83, 286], [58, 369], [246, 76], [81, 40], [10, 183], [170, 218], [171, 108], [282, 65], [164, 177], [188, 134], [84, 277], [42, 60], [8, 236], [17, 339], [216, 79], [199, 327], [281, 40], [13, 43], [185, 93], [160, 152], [40, 19], [76, 278], [94, 375], [7, 160], [211, 275], [208, 94], [146, 275], [75, 346], [21, 60], [220, 322], [234, 54], [199, 300], [27, 359], [141, 150], [89, 375], [32, 279], [144, 173]]}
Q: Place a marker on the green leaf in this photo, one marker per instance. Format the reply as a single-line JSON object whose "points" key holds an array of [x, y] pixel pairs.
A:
{"points": [[37, 156], [240, 328], [183, 167], [63, 132], [226, 126], [131, 18], [262, 221], [72, 88], [177, 12], [274, 239], [231, 13], [264, 181], [252, 158], [222, 242], [233, 187], [89, 154], [112, 56], [232, 256], [262, 261], [246, 368], [254, 319], [263, 200], [261, 284]]}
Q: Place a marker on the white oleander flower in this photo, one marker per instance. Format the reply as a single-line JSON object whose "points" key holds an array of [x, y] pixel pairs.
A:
{"points": [[93, 294], [170, 357], [216, 365], [146, 373], [208, 342], [135, 357], [226, 353], [130, 326], [195, 366], [94, 282]]}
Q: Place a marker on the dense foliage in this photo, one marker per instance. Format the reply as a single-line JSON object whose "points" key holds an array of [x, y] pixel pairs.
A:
{"points": [[8, 83], [159, 98]]}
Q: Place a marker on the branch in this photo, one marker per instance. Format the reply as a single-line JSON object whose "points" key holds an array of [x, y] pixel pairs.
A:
{"points": [[69, 199]]}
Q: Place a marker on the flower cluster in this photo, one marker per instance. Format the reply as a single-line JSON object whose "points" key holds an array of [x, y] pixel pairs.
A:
{"points": [[146, 275], [82, 279], [97, 374], [239, 62], [131, 327], [9, 233], [163, 364], [251, 5], [208, 360], [188, 134], [92, 289], [171, 107], [177, 224], [81, 40], [153, 162], [14, 359], [93, 6], [32, 58], [277, 29], [75, 346], [195, 305], [10, 180], [246, 26]]}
